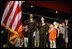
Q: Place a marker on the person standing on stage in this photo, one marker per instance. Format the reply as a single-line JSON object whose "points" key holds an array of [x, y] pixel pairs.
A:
{"points": [[66, 33], [32, 25], [61, 35], [52, 36], [25, 30], [43, 27], [36, 39], [19, 42]]}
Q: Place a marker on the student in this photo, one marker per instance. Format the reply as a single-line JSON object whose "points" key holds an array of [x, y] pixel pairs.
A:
{"points": [[19, 42], [26, 35], [61, 35], [66, 32], [52, 36], [36, 39]]}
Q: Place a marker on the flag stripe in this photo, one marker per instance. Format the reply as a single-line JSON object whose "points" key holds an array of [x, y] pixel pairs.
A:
{"points": [[10, 10], [12, 14], [16, 12], [18, 25], [16, 20], [7, 10]]}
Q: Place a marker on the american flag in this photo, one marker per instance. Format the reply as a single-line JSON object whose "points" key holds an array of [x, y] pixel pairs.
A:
{"points": [[11, 20]]}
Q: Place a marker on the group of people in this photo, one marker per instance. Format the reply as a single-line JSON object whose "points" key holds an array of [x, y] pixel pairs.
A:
{"points": [[41, 34]]}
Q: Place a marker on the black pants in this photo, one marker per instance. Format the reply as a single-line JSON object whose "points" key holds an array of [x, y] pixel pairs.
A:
{"points": [[30, 41], [42, 43], [60, 41]]}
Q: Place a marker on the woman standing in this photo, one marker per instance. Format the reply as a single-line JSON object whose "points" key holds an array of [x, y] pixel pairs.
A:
{"points": [[43, 27], [32, 25]]}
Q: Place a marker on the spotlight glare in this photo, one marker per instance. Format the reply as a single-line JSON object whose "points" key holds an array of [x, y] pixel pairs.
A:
{"points": [[56, 11], [31, 6]]}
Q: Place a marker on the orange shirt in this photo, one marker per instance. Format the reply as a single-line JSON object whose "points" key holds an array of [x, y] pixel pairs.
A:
{"points": [[52, 34]]}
